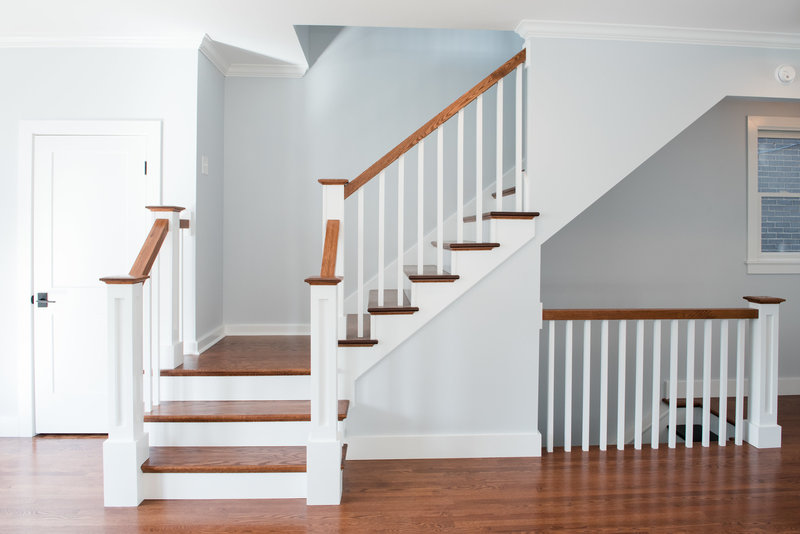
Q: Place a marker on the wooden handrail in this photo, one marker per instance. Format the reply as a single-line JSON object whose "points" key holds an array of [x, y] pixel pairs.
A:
{"points": [[152, 245], [648, 314], [430, 126], [327, 272]]}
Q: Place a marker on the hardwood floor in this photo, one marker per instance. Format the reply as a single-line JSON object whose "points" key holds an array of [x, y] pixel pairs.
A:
{"points": [[249, 355], [55, 485]]}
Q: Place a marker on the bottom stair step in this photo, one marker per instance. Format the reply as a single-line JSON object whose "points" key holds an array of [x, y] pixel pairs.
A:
{"points": [[226, 460]]}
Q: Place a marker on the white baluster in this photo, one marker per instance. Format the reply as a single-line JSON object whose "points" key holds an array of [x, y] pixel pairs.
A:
{"points": [[723, 383], [639, 406], [381, 228], [568, 389], [587, 352], [479, 169], [499, 158], [655, 418], [551, 382], [518, 149], [673, 383], [603, 385], [460, 179], [440, 200], [150, 379], [420, 203], [401, 171], [739, 427], [690, 340], [360, 261], [623, 338], [706, 437]]}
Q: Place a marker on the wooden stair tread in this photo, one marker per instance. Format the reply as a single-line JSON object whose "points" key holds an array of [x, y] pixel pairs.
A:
{"points": [[249, 356], [429, 274], [352, 339], [226, 460], [466, 245], [235, 411], [507, 191], [508, 215], [390, 304]]}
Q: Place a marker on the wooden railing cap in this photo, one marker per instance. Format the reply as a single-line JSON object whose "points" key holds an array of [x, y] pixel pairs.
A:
{"points": [[333, 181], [123, 279], [764, 300], [323, 281], [165, 208], [648, 314]]}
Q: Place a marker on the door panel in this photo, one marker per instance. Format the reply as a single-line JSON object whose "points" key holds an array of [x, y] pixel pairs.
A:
{"points": [[89, 221]]}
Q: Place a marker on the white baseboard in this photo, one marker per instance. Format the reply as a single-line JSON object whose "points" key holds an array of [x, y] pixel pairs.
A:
{"points": [[788, 385], [208, 340], [267, 329], [443, 446]]}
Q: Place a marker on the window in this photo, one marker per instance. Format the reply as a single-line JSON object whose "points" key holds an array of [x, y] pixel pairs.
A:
{"points": [[773, 195]]}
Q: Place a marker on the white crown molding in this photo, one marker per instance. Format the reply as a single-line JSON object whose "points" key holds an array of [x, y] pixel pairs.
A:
{"points": [[97, 42], [655, 34], [216, 56], [210, 49], [245, 70]]}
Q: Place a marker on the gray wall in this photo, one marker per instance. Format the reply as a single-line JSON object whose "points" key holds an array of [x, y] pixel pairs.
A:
{"points": [[209, 217], [671, 234], [93, 84], [366, 91]]}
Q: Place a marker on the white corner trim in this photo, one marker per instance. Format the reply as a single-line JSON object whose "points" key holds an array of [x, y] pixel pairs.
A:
{"points": [[267, 329], [97, 42], [265, 70], [444, 446], [209, 48], [656, 34]]}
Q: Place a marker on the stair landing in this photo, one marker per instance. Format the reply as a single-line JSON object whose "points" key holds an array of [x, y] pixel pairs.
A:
{"points": [[250, 356]]}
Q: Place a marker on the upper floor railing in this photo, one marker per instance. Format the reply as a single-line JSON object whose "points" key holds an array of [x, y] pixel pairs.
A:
{"points": [[728, 350]]}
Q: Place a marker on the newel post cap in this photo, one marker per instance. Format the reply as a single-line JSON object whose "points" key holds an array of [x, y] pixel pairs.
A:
{"points": [[764, 300]]}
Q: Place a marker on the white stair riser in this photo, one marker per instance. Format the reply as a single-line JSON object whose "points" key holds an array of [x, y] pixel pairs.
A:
{"points": [[224, 485], [240, 434], [235, 388]]}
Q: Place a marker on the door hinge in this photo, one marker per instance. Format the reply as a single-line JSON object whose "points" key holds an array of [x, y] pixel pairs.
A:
{"points": [[145, 168]]}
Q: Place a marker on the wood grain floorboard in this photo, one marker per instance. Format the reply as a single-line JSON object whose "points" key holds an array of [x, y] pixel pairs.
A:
{"points": [[235, 411], [248, 356], [55, 485]]}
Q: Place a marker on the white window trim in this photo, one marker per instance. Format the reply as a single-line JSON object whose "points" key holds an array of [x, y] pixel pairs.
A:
{"points": [[764, 262]]}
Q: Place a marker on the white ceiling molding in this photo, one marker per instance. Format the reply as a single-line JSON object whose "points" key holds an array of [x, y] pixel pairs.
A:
{"points": [[656, 34], [210, 49], [266, 70], [217, 56], [97, 42]]}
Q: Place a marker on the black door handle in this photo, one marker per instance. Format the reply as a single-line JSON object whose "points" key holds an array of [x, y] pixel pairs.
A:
{"points": [[41, 300]]}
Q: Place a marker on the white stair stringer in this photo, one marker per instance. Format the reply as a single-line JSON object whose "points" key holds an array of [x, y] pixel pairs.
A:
{"points": [[431, 298]]}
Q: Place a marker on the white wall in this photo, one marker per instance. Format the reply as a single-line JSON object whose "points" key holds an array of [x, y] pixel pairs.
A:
{"points": [[365, 92], [599, 108], [208, 221], [672, 234], [88, 84]]}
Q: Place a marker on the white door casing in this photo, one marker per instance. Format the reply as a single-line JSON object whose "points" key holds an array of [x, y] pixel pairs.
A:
{"points": [[87, 191]]}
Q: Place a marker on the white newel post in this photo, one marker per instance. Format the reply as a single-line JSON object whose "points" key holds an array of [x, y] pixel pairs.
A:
{"points": [[762, 409], [333, 208], [127, 447], [171, 354], [324, 450]]}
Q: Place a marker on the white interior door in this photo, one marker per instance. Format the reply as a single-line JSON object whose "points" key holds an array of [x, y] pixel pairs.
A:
{"points": [[89, 220]]}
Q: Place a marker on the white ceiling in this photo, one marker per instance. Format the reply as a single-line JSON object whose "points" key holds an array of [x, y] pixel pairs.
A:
{"points": [[266, 26]]}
